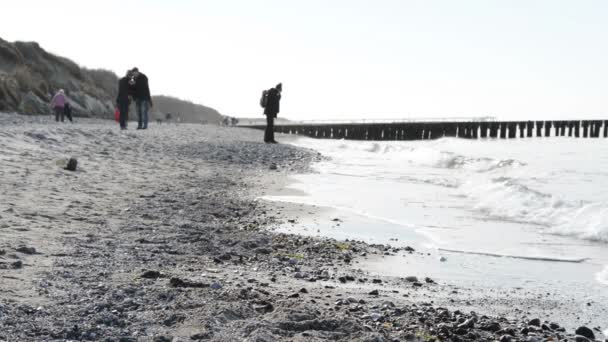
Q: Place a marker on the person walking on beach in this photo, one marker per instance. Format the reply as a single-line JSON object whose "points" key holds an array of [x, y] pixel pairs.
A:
{"points": [[58, 103], [271, 106], [67, 111], [143, 100], [124, 99]]}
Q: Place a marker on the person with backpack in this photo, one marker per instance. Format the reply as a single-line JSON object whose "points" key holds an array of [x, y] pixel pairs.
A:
{"points": [[143, 100], [57, 103], [270, 101]]}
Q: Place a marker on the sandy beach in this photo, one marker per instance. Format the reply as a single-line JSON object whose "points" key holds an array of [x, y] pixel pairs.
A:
{"points": [[160, 235]]}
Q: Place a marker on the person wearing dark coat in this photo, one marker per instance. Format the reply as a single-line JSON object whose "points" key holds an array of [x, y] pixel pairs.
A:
{"points": [[67, 111], [123, 99], [143, 100], [271, 110]]}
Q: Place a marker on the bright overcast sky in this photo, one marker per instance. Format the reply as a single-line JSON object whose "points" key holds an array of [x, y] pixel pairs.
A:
{"points": [[342, 59]]}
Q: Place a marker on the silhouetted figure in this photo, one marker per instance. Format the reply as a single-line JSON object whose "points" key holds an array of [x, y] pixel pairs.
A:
{"points": [[123, 99], [67, 111], [271, 109], [143, 100], [57, 103]]}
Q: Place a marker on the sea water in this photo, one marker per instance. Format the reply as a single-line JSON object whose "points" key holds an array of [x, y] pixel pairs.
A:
{"points": [[494, 206]]}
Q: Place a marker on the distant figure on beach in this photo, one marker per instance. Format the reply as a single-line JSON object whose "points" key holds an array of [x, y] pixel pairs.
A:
{"points": [[124, 99], [143, 100], [58, 103], [270, 101], [67, 110]]}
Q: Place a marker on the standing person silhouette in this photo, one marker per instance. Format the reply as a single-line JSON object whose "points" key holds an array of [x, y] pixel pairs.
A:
{"points": [[143, 100], [123, 99], [272, 108], [58, 103]]}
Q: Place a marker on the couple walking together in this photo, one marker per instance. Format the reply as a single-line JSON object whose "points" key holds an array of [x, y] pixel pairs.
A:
{"points": [[134, 86], [61, 106]]}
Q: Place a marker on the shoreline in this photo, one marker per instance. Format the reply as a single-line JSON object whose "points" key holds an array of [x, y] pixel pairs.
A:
{"points": [[164, 239]]}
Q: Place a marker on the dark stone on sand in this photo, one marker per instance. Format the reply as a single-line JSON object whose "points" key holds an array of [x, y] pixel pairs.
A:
{"points": [[374, 293], [461, 331], [17, 264], [163, 339], [524, 331], [429, 280], [177, 282], [534, 322], [490, 326], [151, 275], [586, 332], [342, 279], [579, 338], [411, 279], [506, 338], [263, 250], [303, 290], [294, 295], [201, 336], [273, 166], [26, 250], [72, 164], [417, 284], [376, 281]]}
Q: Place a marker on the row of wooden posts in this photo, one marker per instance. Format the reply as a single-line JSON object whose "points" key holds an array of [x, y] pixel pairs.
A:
{"points": [[435, 130]]}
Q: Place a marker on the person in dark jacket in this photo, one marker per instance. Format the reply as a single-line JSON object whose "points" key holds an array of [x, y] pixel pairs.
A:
{"points": [[123, 99], [143, 100], [67, 111], [271, 110]]}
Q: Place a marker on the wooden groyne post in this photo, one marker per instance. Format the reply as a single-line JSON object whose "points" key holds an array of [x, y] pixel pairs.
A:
{"points": [[436, 130]]}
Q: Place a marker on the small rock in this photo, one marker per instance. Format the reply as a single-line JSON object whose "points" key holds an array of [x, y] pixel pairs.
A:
{"points": [[17, 264], [303, 290], [26, 250], [216, 285], [294, 295], [586, 332], [273, 166], [374, 293], [375, 316], [506, 338], [201, 336], [535, 322], [72, 164], [579, 338], [490, 326], [429, 280], [151, 275], [443, 259], [376, 281], [411, 279]]}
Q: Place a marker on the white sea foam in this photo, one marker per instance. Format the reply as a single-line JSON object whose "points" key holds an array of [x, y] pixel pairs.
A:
{"points": [[602, 277], [552, 184]]}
